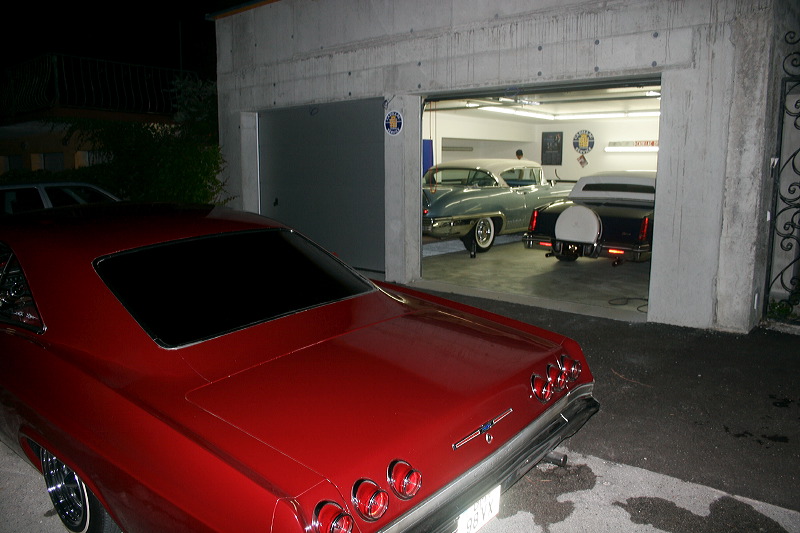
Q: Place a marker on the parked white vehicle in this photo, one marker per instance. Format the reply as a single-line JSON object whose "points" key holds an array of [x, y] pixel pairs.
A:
{"points": [[21, 197]]}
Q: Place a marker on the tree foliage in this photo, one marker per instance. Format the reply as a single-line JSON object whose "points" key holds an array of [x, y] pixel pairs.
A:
{"points": [[176, 162]]}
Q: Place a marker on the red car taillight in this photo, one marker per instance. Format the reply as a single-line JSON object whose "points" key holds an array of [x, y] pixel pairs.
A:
{"points": [[370, 500], [329, 517], [571, 367], [404, 480], [534, 220], [557, 377], [643, 229], [542, 388]]}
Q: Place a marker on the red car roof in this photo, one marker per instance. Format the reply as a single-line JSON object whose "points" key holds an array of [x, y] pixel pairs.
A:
{"points": [[108, 228]]}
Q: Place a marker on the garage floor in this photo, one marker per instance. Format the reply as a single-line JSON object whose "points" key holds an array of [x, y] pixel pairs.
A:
{"points": [[511, 272]]}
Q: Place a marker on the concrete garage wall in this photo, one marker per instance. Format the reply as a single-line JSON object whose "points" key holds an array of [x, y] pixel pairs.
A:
{"points": [[717, 74]]}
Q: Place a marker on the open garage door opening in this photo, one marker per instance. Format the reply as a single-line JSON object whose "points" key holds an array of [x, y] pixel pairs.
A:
{"points": [[495, 161]]}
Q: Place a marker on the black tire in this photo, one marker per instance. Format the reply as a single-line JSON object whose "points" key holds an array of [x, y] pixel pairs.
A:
{"points": [[481, 236], [79, 510]]}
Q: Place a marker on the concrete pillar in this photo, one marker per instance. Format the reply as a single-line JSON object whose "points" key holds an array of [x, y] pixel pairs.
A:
{"points": [[403, 191]]}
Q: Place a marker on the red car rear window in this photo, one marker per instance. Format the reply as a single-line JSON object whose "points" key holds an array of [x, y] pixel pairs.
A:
{"points": [[187, 291]]}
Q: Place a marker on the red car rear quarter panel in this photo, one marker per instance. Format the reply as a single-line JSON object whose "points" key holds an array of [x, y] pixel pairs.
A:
{"points": [[151, 472], [129, 432], [535, 334]]}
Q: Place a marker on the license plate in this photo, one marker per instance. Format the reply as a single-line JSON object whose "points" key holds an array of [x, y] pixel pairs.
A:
{"points": [[480, 512]]}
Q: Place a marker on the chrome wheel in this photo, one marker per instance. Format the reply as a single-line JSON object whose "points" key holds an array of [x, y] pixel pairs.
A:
{"points": [[483, 234], [77, 508], [67, 492]]}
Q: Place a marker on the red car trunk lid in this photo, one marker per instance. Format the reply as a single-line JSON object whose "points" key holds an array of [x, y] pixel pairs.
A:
{"points": [[408, 388]]}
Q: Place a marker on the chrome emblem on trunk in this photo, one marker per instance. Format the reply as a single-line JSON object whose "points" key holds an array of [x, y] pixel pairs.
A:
{"points": [[482, 429]]}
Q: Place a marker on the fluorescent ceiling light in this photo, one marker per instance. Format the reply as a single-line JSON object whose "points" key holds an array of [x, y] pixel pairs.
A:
{"points": [[506, 110], [583, 116], [643, 114], [520, 113], [535, 115], [631, 149]]}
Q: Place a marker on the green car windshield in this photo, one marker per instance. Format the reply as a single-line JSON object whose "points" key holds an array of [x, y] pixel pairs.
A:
{"points": [[480, 178], [459, 176]]}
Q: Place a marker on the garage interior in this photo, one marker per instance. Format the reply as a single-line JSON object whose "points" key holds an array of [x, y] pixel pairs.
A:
{"points": [[622, 122]]}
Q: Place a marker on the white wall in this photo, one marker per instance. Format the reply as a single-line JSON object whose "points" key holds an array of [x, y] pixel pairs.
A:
{"points": [[467, 131], [461, 129], [717, 73], [482, 148]]}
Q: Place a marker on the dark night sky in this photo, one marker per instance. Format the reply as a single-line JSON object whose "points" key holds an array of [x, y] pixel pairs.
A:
{"points": [[164, 34]]}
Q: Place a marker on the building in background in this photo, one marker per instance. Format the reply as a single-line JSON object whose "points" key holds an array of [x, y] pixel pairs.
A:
{"points": [[54, 87], [307, 90]]}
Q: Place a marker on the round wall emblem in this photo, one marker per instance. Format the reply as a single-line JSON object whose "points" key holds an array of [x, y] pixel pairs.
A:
{"points": [[583, 142], [393, 122]]}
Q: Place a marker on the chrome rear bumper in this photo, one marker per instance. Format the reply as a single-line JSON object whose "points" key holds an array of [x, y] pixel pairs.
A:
{"points": [[438, 514], [447, 227]]}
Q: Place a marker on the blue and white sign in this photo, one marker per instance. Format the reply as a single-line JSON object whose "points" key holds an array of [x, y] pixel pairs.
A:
{"points": [[393, 122]]}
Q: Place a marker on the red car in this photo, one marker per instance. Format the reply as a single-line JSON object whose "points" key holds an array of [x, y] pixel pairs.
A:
{"points": [[202, 369]]}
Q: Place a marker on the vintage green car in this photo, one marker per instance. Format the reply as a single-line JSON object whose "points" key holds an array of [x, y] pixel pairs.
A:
{"points": [[478, 199]]}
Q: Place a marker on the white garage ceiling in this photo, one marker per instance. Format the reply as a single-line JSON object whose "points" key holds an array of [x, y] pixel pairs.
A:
{"points": [[547, 107]]}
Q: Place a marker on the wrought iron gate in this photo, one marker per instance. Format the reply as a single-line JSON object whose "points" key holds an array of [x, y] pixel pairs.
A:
{"points": [[783, 286]]}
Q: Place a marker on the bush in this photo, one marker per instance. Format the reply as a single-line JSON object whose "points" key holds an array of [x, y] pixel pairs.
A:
{"points": [[151, 162]]}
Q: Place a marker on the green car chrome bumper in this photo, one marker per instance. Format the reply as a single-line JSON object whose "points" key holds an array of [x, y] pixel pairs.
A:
{"points": [[447, 227]]}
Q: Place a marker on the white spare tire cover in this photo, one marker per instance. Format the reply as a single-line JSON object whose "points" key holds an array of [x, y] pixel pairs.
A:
{"points": [[578, 224]]}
